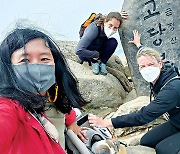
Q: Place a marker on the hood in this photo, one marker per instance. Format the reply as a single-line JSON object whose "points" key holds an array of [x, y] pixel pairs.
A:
{"points": [[168, 71]]}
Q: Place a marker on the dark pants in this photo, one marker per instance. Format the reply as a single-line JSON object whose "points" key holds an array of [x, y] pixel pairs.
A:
{"points": [[165, 138], [106, 52]]}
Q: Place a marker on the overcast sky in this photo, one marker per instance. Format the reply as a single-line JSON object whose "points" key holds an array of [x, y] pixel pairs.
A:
{"points": [[61, 18]]}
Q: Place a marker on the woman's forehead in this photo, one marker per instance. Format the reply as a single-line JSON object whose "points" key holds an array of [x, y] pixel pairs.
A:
{"points": [[35, 42], [34, 47]]}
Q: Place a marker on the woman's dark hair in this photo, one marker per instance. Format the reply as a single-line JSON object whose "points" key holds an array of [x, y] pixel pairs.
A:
{"points": [[68, 93]]}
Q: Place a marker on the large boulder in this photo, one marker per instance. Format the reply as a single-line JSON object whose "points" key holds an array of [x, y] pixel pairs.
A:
{"points": [[68, 49], [158, 22], [103, 91]]}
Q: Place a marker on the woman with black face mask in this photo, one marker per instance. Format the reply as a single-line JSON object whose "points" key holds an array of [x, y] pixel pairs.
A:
{"points": [[33, 72]]}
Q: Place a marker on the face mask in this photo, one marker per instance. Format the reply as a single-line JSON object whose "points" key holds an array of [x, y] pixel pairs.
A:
{"points": [[150, 73], [35, 77], [108, 31]]}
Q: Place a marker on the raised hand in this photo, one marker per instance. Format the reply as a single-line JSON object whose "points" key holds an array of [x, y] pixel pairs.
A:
{"points": [[137, 38]]}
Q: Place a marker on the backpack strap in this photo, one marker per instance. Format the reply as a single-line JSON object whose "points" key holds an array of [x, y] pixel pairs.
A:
{"points": [[151, 93], [99, 30], [166, 115], [176, 77]]}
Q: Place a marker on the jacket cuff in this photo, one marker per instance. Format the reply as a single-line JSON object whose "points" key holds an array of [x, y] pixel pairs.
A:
{"points": [[118, 122], [139, 45], [70, 118], [114, 122]]}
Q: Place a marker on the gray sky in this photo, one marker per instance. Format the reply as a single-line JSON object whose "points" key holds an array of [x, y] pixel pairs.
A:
{"points": [[61, 18]]}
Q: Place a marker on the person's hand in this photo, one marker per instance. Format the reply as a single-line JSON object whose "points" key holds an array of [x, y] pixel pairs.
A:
{"points": [[96, 121], [78, 131], [124, 14], [137, 38]]}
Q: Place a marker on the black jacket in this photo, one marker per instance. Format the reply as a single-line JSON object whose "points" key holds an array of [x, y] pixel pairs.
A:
{"points": [[167, 99]]}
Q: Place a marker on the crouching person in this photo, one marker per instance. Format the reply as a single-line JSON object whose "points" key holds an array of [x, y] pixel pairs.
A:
{"points": [[96, 46]]}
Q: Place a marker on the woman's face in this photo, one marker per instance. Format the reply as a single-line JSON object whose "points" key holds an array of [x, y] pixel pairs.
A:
{"points": [[149, 68], [36, 52], [113, 24]]}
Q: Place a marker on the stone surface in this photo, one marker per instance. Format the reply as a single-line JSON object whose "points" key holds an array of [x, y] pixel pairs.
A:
{"points": [[115, 63], [68, 49], [122, 78], [158, 22], [103, 91], [139, 150], [126, 67]]}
